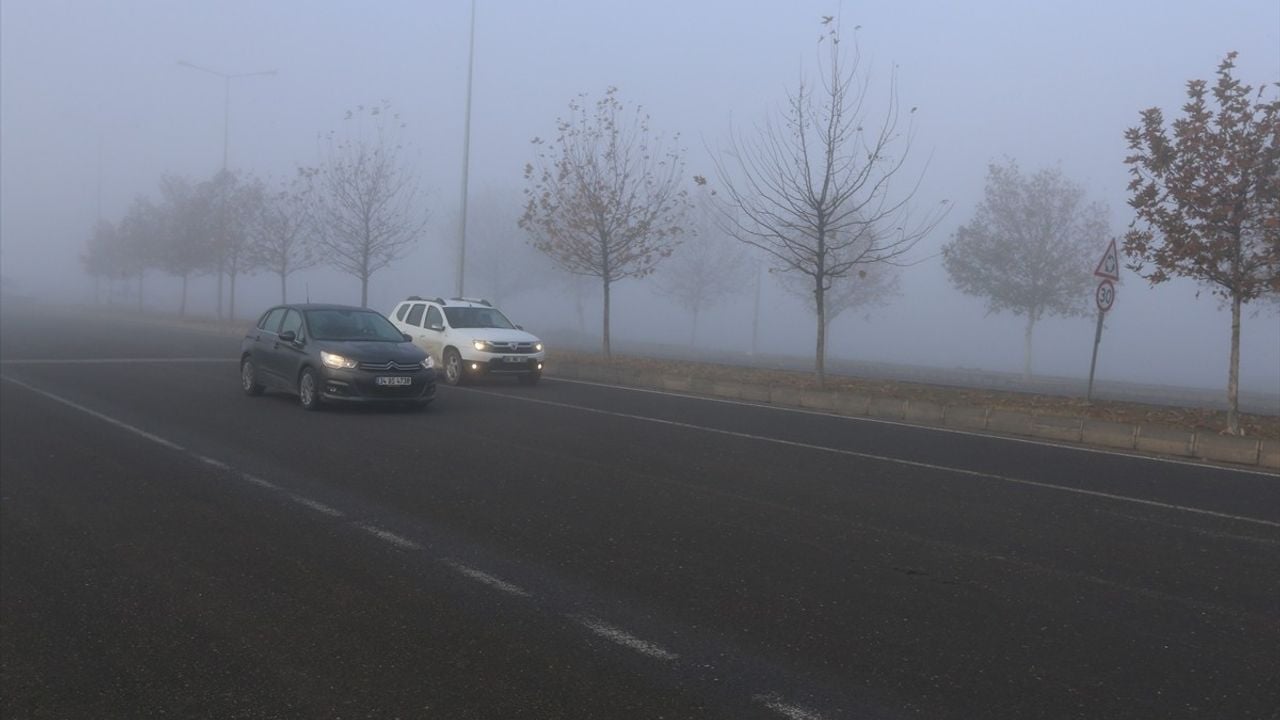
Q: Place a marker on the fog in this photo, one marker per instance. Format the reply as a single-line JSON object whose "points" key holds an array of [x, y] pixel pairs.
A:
{"points": [[94, 109]]}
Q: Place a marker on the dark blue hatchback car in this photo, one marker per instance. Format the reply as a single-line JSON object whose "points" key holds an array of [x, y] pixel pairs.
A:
{"points": [[334, 353]]}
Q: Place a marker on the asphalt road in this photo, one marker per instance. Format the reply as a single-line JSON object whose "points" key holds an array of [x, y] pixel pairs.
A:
{"points": [[172, 548]]}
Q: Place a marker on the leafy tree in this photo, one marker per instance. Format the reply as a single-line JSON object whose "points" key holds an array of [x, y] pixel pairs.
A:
{"points": [[102, 256], [815, 190], [238, 202], [282, 234], [366, 207], [139, 239], [605, 198], [189, 227], [1029, 248], [1207, 199], [708, 267]]}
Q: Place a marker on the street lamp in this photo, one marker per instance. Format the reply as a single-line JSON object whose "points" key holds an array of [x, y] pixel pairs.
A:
{"points": [[466, 156], [226, 97]]}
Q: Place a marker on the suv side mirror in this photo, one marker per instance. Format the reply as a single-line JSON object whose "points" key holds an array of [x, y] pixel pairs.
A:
{"points": [[407, 337], [288, 336]]}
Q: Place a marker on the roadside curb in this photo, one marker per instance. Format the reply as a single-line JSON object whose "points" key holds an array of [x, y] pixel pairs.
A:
{"points": [[1147, 438]]}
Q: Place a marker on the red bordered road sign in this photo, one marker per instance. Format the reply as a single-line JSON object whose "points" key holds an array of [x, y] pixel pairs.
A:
{"points": [[1109, 265], [1105, 295]]}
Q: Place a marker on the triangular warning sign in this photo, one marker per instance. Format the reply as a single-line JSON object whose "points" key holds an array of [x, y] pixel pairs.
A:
{"points": [[1109, 265]]}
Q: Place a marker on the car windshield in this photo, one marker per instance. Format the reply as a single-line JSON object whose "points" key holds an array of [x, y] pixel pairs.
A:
{"points": [[351, 325], [477, 317]]}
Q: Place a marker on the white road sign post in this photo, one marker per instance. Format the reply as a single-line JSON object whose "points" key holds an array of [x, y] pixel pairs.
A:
{"points": [[1109, 270]]}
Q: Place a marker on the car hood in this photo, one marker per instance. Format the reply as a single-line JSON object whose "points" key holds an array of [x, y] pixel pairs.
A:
{"points": [[496, 334], [366, 351]]}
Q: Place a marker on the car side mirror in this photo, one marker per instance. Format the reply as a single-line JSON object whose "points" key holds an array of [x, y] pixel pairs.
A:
{"points": [[288, 336], [519, 327], [407, 337]]}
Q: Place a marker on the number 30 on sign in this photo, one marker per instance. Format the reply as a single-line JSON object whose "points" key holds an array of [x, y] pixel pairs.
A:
{"points": [[1106, 295]]}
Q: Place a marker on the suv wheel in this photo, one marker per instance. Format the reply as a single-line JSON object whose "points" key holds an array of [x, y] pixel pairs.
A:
{"points": [[309, 390], [452, 367], [249, 378]]}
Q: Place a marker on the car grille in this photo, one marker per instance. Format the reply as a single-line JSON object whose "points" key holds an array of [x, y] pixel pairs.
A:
{"points": [[390, 365], [511, 347]]}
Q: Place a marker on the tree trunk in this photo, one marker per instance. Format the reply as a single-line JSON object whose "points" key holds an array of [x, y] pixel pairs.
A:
{"points": [[231, 298], [364, 291], [820, 360], [221, 268], [608, 351], [284, 290], [693, 328], [1026, 349], [1233, 374], [182, 306]]}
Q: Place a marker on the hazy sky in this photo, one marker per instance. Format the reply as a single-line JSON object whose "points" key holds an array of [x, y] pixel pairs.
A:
{"points": [[1043, 83]]}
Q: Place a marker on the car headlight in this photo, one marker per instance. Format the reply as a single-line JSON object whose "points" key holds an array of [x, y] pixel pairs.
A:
{"points": [[537, 347], [428, 362], [479, 344], [336, 361]]}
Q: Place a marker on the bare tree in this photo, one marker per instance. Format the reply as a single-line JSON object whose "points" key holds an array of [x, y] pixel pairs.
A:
{"points": [[815, 188], [708, 267], [1207, 200], [139, 237], [281, 232], [872, 286], [366, 206], [101, 258], [1029, 248], [605, 198]]}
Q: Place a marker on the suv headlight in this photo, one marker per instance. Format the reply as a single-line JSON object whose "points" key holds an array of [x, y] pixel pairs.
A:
{"points": [[479, 344], [336, 361], [428, 362], [537, 347]]}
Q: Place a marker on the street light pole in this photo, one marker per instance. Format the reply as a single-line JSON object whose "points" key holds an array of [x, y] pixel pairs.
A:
{"points": [[226, 98], [466, 156], [226, 135]]}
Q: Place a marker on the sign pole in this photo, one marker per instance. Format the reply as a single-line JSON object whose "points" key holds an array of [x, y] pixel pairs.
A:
{"points": [[1093, 364]]}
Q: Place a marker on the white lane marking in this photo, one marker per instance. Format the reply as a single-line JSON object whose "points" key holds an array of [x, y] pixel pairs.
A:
{"points": [[884, 458], [623, 638], [786, 710], [259, 481], [932, 428], [112, 361], [397, 540], [215, 463], [487, 579], [317, 506], [105, 418]]}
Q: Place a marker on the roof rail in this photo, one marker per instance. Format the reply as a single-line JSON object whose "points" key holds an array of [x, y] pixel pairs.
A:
{"points": [[438, 300], [478, 301], [412, 297]]}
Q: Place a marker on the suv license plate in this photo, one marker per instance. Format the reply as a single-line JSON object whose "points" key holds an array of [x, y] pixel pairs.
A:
{"points": [[511, 359], [387, 380]]}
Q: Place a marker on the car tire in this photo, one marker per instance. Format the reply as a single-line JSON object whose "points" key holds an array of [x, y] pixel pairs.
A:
{"points": [[530, 379], [249, 378], [453, 373], [309, 390]]}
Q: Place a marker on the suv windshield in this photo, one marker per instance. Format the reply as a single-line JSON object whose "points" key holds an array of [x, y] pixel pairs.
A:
{"points": [[351, 325], [476, 317]]}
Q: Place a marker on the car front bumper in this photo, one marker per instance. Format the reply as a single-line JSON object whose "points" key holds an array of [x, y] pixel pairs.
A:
{"points": [[361, 386]]}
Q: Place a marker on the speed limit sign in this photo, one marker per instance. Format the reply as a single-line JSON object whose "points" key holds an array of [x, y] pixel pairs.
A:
{"points": [[1106, 295]]}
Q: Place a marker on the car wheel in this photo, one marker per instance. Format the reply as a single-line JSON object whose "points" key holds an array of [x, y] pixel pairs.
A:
{"points": [[309, 390], [452, 367], [530, 379], [249, 378]]}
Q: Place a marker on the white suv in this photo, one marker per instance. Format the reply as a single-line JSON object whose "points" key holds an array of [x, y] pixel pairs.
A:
{"points": [[468, 337]]}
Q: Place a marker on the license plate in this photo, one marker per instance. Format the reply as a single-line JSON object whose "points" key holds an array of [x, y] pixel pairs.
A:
{"points": [[389, 380], [510, 359]]}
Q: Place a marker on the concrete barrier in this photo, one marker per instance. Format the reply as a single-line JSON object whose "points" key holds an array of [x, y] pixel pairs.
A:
{"points": [[1107, 434], [1009, 421], [1269, 454], [1227, 448], [784, 395], [887, 408], [677, 383], [1164, 440], [729, 390], [966, 417], [1055, 427], [852, 404], [818, 399]]}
